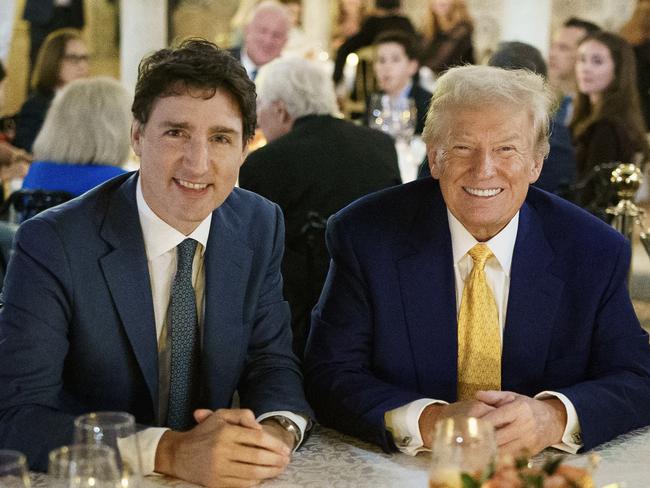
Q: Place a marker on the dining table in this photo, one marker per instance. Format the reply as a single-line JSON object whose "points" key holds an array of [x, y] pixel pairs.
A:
{"points": [[334, 460]]}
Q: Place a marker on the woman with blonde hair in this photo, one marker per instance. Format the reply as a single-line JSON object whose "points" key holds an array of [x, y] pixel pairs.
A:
{"points": [[447, 32], [85, 137]]}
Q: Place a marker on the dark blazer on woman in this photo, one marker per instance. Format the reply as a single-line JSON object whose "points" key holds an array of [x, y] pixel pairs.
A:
{"points": [[31, 117]]}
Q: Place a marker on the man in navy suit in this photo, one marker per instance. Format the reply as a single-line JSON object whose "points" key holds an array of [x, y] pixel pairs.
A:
{"points": [[382, 358], [88, 321]]}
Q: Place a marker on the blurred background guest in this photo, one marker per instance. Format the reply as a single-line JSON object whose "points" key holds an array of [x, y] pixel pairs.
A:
{"points": [[348, 17], [46, 16], [559, 170], [314, 165], [14, 162], [386, 16], [85, 137], [562, 61], [63, 57], [265, 35], [637, 32], [447, 32], [607, 124], [396, 63]]}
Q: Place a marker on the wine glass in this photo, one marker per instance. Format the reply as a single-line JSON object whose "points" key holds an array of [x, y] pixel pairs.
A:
{"points": [[84, 466], [462, 447], [116, 430], [379, 112], [13, 470]]}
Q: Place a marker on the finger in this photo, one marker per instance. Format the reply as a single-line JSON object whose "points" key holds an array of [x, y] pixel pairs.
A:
{"points": [[479, 409], [508, 433], [503, 415], [253, 471], [515, 448], [235, 482], [235, 416], [259, 438], [200, 414], [259, 456], [495, 398]]}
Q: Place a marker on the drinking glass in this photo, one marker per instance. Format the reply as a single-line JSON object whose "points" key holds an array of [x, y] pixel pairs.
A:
{"points": [[83, 466], [396, 117], [13, 470], [116, 430], [461, 446]]}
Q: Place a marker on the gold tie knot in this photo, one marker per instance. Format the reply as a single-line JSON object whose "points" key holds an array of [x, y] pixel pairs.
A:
{"points": [[480, 253]]}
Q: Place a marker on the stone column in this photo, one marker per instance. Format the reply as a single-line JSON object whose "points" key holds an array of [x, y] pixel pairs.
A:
{"points": [[316, 15], [527, 21], [143, 29]]}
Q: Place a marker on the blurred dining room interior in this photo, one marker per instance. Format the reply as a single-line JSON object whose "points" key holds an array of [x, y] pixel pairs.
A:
{"points": [[114, 35]]}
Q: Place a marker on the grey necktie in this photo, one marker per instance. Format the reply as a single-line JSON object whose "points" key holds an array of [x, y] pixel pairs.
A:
{"points": [[184, 340]]}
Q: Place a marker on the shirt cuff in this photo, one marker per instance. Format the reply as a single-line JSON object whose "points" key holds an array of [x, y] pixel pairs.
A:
{"points": [[299, 420], [404, 425], [572, 437], [147, 440]]}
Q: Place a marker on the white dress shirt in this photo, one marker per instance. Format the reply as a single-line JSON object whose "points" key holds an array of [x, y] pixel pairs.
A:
{"points": [[403, 422], [160, 241]]}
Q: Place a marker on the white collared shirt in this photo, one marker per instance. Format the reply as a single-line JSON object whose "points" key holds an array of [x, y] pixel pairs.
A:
{"points": [[248, 63], [160, 241], [403, 422]]}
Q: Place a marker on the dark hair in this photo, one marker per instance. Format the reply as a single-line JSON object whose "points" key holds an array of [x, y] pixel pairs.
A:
{"points": [[518, 55], [194, 64], [404, 39], [620, 100], [589, 27], [388, 4], [3, 73], [49, 58]]}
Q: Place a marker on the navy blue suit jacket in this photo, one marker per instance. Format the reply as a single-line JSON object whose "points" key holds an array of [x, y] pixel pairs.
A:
{"points": [[384, 332], [77, 330]]}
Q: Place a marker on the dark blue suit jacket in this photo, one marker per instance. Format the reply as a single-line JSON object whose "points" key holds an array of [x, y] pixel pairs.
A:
{"points": [[384, 332], [77, 330]]}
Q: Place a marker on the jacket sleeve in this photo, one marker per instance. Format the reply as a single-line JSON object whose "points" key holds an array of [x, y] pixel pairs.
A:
{"points": [[33, 345], [340, 383], [614, 397]]}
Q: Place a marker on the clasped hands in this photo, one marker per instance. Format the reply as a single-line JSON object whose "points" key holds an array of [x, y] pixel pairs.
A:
{"points": [[228, 447], [521, 423]]}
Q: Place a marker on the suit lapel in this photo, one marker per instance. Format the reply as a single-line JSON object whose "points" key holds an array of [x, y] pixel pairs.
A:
{"points": [[227, 268], [127, 276], [532, 304], [427, 285]]}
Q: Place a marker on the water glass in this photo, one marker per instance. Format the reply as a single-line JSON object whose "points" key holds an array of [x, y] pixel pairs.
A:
{"points": [[13, 470], [115, 430], [83, 466], [461, 446]]}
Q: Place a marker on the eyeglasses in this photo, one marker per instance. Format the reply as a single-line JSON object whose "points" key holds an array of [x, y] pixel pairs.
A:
{"points": [[76, 58]]}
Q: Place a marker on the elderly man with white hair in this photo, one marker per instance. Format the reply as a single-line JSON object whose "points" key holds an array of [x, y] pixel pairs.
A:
{"points": [[314, 165], [473, 293], [265, 34]]}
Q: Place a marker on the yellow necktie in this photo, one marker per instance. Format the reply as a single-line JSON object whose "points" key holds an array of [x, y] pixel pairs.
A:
{"points": [[479, 335]]}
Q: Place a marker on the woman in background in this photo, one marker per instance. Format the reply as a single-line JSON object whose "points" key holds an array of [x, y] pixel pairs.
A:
{"points": [[607, 124], [85, 137], [448, 35], [62, 58], [347, 21]]}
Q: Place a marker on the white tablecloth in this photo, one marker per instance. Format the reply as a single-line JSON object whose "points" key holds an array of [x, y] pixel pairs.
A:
{"points": [[329, 459]]}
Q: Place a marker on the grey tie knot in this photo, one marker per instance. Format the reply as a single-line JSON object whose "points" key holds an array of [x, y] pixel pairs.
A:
{"points": [[185, 256]]}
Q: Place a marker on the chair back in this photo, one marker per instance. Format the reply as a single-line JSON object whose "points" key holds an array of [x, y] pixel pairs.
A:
{"points": [[7, 233], [365, 83], [24, 204]]}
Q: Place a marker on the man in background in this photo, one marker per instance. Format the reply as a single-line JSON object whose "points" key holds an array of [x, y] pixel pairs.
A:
{"points": [[265, 35], [562, 60], [314, 165]]}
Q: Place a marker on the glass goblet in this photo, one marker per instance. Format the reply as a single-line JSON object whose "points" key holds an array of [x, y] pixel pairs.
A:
{"points": [[116, 430], [462, 447], [83, 466], [13, 470]]}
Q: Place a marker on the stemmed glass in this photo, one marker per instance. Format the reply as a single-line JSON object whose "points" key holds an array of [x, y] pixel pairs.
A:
{"points": [[461, 447], [84, 466], [396, 117], [13, 470], [115, 430]]}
